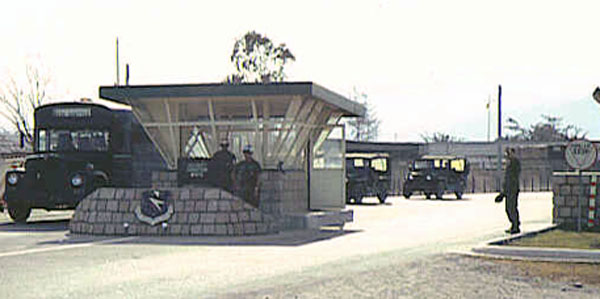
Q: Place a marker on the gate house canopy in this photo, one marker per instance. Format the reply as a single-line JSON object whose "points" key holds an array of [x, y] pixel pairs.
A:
{"points": [[277, 119]]}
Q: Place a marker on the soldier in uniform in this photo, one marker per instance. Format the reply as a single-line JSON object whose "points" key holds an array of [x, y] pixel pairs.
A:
{"points": [[510, 190], [222, 164], [246, 177]]}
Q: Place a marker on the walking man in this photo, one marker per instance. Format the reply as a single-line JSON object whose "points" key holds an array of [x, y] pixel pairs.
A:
{"points": [[510, 190]]}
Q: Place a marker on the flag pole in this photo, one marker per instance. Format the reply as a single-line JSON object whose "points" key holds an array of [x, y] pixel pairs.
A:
{"points": [[488, 118]]}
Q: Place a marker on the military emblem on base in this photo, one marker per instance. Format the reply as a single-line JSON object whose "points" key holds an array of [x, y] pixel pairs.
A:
{"points": [[154, 207]]}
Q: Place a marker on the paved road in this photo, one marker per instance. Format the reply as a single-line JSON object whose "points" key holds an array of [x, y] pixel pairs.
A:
{"points": [[40, 260]]}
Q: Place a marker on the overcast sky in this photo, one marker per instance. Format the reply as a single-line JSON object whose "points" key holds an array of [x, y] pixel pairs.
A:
{"points": [[427, 66]]}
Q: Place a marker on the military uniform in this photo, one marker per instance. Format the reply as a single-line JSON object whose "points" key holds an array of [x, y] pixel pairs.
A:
{"points": [[511, 191], [223, 163], [246, 179]]}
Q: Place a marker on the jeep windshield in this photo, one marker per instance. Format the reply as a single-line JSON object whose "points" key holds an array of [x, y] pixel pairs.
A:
{"points": [[72, 141], [422, 164]]}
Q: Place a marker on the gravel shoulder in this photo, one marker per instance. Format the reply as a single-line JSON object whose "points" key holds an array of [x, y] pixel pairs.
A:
{"points": [[435, 276]]}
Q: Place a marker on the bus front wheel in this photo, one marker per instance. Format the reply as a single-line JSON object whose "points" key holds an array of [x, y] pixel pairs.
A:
{"points": [[19, 214]]}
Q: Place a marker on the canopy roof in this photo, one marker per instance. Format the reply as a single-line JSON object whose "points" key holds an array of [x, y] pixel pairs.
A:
{"points": [[278, 119], [232, 92]]}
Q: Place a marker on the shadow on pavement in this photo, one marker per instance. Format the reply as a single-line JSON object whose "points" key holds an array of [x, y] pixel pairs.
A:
{"points": [[448, 198], [369, 204], [286, 238], [36, 226]]}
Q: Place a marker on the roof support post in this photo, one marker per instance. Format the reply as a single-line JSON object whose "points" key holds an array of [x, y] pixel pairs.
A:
{"points": [[266, 136], [303, 133], [174, 143], [257, 141], [213, 126], [290, 116]]}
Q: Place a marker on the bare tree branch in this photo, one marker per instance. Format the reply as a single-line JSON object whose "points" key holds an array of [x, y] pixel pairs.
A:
{"points": [[19, 102]]}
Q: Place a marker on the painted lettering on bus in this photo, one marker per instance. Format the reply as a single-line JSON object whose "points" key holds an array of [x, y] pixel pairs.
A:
{"points": [[72, 112]]}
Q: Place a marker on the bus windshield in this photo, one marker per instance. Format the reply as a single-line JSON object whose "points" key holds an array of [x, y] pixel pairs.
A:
{"points": [[65, 141]]}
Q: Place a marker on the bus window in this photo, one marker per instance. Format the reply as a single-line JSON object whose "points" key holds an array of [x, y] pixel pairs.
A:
{"points": [[85, 141], [41, 141]]}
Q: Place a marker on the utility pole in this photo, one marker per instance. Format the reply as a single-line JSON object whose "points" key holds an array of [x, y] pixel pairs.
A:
{"points": [[499, 166], [499, 111], [117, 83]]}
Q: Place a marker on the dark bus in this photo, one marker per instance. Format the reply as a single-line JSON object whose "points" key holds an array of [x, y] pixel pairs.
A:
{"points": [[77, 148]]}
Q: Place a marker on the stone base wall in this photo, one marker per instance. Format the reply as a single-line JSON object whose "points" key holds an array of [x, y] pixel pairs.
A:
{"points": [[196, 212], [567, 191], [283, 192]]}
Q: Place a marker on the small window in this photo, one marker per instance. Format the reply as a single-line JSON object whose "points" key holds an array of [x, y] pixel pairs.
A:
{"points": [[41, 141], [458, 165], [359, 163], [379, 165]]}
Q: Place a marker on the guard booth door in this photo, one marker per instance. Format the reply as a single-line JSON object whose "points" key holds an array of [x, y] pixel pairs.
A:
{"points": [[328, 170]]}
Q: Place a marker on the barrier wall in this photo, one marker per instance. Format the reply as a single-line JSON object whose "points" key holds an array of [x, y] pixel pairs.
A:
{"points": [[195, 211]]}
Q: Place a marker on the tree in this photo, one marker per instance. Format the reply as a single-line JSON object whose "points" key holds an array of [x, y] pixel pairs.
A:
{"points": [[436, 137], [19, 102], [257, 59], [362, 128], [550, 128]]}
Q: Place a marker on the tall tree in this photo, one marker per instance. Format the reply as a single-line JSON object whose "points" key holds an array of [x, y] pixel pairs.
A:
{"points": [[364, 128], [550, 128], [20, 101], [257, 59]]}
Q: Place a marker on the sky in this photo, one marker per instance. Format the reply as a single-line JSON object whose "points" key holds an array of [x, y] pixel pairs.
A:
{"points": [[426, 65]]}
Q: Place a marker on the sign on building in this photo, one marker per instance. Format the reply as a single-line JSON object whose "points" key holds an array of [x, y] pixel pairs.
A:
{"points": [[580, 154]]}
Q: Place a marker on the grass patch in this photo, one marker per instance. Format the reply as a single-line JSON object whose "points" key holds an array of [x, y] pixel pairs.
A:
{"points": [[561, 239]]}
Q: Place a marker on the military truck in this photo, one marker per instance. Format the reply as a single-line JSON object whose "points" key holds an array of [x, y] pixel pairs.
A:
{"points": [[437, 175], [367, 174]]}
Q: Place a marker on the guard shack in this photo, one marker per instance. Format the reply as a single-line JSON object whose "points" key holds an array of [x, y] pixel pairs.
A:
{"points": [[293, 128]]}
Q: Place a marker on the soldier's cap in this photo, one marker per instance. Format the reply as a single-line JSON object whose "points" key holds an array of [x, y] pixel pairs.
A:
{"points": [[247, 149]]}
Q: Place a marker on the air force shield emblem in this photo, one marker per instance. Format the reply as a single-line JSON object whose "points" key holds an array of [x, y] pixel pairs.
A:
{"points": [[154, 207]]}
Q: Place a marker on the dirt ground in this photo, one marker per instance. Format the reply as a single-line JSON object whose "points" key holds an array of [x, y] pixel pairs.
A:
{"points": [[587, 274], [440, 276]]}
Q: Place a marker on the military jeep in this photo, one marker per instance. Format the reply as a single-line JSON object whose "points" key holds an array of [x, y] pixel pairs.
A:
{"points": [[436, 175], [367, 174]]}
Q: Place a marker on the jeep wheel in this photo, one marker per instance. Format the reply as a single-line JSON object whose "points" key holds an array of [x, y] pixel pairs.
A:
{"points": [[439, 192], [458, 195], [407, 194], [428, 195], [358, 199], [19, 214]]}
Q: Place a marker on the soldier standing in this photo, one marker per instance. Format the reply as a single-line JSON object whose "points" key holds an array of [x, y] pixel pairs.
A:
{"points": [[510, 190], [246, 177], [223, 162]]}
